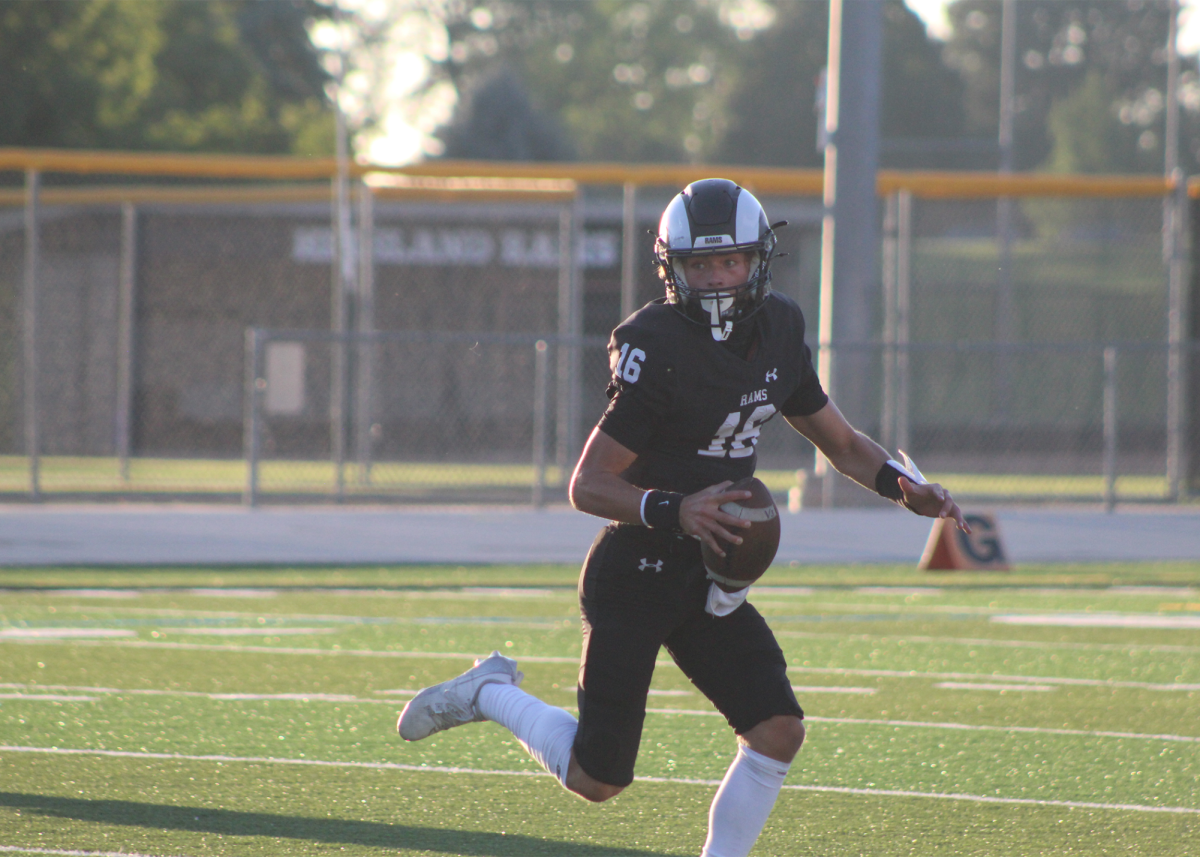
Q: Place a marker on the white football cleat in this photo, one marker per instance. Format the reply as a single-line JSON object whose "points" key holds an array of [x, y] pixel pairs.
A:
{"points": [[452, 703]]}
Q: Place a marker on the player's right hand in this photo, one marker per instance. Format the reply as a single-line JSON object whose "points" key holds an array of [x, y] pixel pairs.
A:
{"points": [[700, 516]]}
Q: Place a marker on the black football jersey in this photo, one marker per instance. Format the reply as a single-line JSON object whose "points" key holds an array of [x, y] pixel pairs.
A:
{"points": [[690, 407]]}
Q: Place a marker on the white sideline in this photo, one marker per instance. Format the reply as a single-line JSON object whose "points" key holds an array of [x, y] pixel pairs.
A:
{"points": [[395, 766]]}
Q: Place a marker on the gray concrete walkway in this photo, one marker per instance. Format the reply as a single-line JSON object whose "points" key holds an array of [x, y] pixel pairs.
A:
{"points": [[206, 535]]}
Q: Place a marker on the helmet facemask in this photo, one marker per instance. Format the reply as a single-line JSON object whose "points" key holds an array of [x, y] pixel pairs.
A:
{"points": [[715, 217]]}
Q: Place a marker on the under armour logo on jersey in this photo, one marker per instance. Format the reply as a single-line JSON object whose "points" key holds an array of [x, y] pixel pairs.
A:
{"points": [[772, 375], [646, 565]]}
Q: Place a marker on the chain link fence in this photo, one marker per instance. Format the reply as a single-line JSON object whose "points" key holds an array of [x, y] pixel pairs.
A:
{"points": [[994, 369], [228, 344]]}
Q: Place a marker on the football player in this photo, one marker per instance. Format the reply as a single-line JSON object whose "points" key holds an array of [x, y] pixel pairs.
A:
{"points": [[695, 375]]}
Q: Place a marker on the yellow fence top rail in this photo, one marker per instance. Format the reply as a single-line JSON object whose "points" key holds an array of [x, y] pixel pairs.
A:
{"points": [[83, 161], [429, 190], [501, 177], [149, 194]]}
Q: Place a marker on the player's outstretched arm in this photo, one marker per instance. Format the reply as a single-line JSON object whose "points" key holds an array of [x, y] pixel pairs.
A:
{"points": [[598, 488], [855, 455]]}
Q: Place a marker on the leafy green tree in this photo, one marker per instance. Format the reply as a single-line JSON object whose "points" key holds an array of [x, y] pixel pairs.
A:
{"points": [[75, 74], [625, 81], [772, 116], [1087, 138], [684, 80], [500, 123], [222, 75], [1090, 81]]}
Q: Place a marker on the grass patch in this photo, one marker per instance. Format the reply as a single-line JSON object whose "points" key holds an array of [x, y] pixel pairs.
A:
{"points": [[200, 705], [101, 475]]}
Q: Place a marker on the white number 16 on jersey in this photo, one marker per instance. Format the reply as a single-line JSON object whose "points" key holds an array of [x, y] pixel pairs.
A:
{"points": [[629, 366], [734, 442]]}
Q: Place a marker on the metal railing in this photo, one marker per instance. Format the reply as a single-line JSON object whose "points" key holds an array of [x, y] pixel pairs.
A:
{"points": [[123, 311]]}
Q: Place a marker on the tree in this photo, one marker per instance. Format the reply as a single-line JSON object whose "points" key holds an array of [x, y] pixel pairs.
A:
{"points": [[772, 117], [223, 75], [1093, 63], [627, 81], [676, 80], [497, 122]]}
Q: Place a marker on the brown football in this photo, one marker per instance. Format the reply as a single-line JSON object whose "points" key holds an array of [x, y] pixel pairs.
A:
{"points": [[745, 563]]}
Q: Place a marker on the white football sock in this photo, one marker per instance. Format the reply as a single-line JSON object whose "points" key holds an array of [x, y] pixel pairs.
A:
{"points": [[743, 803], [547, 733]]}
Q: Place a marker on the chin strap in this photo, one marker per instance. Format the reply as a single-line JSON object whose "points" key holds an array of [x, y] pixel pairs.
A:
{"points": [[721, 334], [715, 306]]}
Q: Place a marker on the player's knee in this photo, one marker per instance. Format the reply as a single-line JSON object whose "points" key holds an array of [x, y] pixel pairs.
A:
{"points": [[779, 737], [795, 734], [588, 787], [597, 792]]}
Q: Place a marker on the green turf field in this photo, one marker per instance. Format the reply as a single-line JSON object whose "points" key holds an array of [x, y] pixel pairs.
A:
{"points": [[1053, 710]]}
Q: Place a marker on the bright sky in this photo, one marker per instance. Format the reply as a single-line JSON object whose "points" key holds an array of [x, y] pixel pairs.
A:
{"points": [[933, 13]]}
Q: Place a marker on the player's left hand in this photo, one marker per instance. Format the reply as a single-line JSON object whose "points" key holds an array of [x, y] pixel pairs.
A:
{"points": [[932, 501], [701, 517]]}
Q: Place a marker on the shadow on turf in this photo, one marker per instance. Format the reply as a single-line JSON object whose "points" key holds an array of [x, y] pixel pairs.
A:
{"points": [[336, 831]]}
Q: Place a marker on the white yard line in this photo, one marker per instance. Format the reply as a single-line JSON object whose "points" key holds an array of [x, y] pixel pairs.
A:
{"points": [[1034, 730], [394, 766], [347, 699], [979, 685], [545, 659], [17, 849], [985, 643], [221, 697], [1079, 682], [960, 727], [291, 650], [248, 632], [63, 633], [1156, 621]]}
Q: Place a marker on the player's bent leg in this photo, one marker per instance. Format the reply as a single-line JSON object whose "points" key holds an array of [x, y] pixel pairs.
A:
{"points": [[779, 737], [588, 787], [545, 731], [751, 785]]}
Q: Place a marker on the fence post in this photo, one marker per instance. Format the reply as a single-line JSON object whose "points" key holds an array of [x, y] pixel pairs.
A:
{"points": [[126, 288], [29, 323], [1176, 341], [904, 239], [256, 384], [570, 329], [541, 391], [365, 319], [629, 251], [1110, 428], [887, 428]]}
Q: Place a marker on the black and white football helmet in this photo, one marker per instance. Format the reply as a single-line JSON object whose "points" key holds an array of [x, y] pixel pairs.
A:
{"points": [[711, 217]]}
